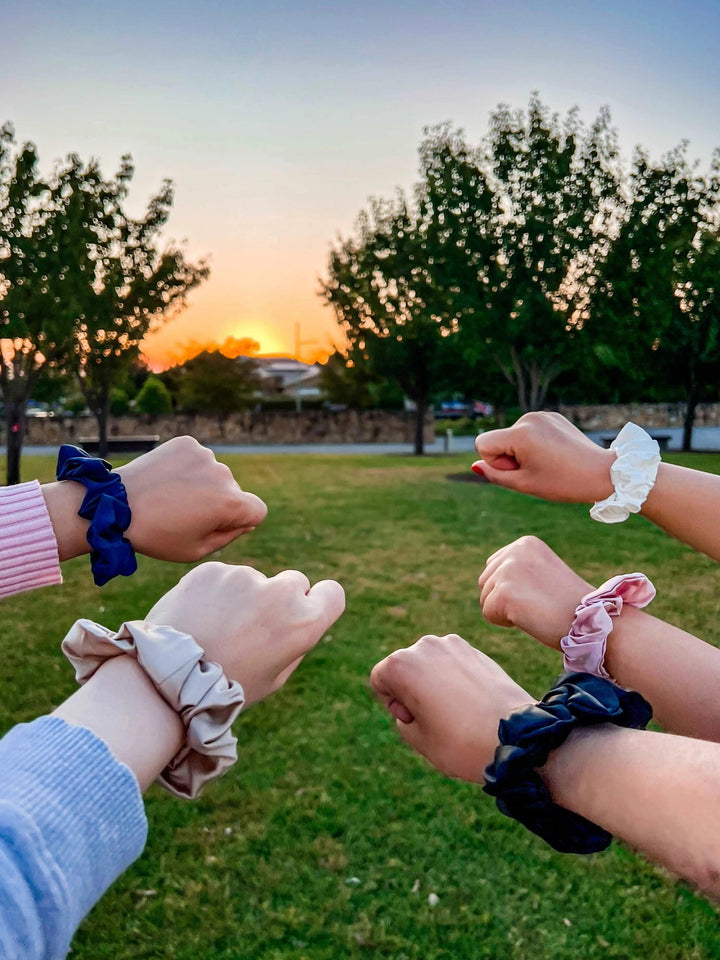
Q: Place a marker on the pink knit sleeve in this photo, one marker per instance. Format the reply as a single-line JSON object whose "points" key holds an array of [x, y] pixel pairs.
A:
{"points": [[28, 548]]}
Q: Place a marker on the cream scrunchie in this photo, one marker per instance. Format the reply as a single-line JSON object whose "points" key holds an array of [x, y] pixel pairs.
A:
{"points": [[197, 689], [633, 474]]}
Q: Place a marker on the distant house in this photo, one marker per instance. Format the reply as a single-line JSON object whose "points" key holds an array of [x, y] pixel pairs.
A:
{"points": [[287, 377]]}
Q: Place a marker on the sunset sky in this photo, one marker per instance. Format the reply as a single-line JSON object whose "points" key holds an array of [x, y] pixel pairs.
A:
{"points": [[277, 120]]}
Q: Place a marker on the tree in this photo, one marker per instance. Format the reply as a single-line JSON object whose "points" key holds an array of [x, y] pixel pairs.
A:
{"points": [[42, 240], [80, 281], [346, 379], [655, 313], [134, 286], [380, 285], [519, 230], [214, 384], [154, 397]]}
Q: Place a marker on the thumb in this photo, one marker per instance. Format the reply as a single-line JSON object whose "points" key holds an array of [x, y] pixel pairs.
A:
{"points": [[502, 470], [328, 599], [391, 681], [496, 443]]}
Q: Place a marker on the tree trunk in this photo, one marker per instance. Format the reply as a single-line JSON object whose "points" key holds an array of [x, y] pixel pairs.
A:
{"points": [[420, 424], [691, 402], [102, 413], [15, 428]]}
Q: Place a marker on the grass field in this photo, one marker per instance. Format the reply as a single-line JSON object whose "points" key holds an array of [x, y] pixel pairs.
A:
{"points": [[327, 838]]}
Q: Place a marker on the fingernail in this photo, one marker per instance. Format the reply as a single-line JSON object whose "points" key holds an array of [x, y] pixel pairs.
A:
{"points": [[477, 468]]}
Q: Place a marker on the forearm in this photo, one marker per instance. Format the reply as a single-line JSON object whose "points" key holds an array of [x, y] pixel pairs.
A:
{"points": [[676, 672], [71, 821], [657, 792], [63, 500], [685, 504], [122, 707]]}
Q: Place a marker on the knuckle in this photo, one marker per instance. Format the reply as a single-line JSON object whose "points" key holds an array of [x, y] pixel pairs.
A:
{"points": [[392, 667]]}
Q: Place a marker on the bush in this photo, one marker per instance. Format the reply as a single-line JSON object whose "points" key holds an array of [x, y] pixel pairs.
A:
{"points": [[462, 427], [74, 404], [119, 402], [154, 397]]}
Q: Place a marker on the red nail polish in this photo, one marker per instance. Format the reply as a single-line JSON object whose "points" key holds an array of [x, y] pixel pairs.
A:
{"points": [[476, 468]]}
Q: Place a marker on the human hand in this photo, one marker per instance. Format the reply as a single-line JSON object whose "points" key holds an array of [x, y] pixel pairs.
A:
{"points": [[184, 503], [543, 454], [448, 699], [257, 628], [526, 585]]}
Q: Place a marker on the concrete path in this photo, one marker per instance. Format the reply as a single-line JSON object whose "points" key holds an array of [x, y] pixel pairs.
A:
{"points": [[704, 438], [457, 445]]}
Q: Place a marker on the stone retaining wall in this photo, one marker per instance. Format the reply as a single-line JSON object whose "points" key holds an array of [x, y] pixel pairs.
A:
{"points": [[265, 427], [612, 417]]}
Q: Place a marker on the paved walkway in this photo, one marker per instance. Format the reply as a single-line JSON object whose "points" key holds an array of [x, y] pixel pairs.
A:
{"points": [[704, 438], [457, 445]]}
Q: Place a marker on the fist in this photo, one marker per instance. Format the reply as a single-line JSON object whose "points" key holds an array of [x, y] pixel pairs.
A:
{"points": [[526, 585], [184, 503], [448, 699], [545, 455], [257, 628]]}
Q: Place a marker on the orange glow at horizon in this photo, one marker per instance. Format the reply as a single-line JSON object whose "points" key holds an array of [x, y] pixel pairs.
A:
{"points": [[162, 350]]}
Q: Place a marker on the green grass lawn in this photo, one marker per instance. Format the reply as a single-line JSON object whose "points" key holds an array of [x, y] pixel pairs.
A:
{"points": [[326, 839]]}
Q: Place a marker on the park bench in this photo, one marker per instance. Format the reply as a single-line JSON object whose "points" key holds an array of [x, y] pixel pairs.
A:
{"points": [[137, 444], [663, 439]]}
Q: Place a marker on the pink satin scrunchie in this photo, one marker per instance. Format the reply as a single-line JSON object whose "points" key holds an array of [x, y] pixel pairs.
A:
{"points": [[583, 648]]}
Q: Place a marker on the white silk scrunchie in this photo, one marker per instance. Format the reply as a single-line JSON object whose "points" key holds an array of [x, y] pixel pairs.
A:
{"points": [[583, 648], [197, 689], [633, 474]]}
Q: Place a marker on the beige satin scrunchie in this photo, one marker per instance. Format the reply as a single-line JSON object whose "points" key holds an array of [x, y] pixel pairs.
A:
{"points": [[197, 689]]}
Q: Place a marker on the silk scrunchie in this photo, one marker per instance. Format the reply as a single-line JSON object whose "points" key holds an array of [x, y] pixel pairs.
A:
{"points": [[583, 648], [197, 689], [528, 735], [105, 505]]}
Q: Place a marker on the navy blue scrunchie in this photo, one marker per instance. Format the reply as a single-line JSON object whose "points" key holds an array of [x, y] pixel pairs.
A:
{"points": [[105, 505], [526, 738]]}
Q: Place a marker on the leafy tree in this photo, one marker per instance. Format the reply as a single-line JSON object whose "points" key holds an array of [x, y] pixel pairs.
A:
{"points": [[80, 281], [119, 402], [134, 286], [154, 397], [380, 285], [347, 380], [214, 384], [52, 386], [519, 231], [75, 404], [42, 244], [655, 313]]}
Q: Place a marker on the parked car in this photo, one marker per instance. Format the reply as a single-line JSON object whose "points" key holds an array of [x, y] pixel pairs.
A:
{"points": [[456, 409]]}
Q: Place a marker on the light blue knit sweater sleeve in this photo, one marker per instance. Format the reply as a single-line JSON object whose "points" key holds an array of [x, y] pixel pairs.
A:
{"points": [[71, 820]]}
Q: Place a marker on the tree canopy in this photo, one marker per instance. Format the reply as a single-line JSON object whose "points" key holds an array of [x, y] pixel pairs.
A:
{"points": [[538, 254], [81, 282]]}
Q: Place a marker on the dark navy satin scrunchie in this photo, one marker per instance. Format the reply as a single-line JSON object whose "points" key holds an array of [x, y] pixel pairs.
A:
{"points": [[105, 505], [526, 738]]}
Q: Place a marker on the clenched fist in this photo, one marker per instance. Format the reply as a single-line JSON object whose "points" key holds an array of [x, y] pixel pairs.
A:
{"points": [[526, 585], [257, 628], [448, 699], [545, 455]]}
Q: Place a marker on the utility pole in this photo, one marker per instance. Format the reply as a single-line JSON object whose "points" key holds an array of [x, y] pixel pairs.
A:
{"points": [[300, 343]]}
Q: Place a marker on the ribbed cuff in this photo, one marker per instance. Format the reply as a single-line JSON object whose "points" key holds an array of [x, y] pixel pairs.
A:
{"points": [[85, 806], [28, 548]]}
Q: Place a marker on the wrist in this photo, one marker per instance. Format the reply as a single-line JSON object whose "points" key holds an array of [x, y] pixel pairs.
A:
{"points": [[601, 485], [62, 500], [550, 626], [121, 706]]}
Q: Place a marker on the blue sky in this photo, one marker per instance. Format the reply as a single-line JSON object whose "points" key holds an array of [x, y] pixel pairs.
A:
{"points": [[278, 120]]}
